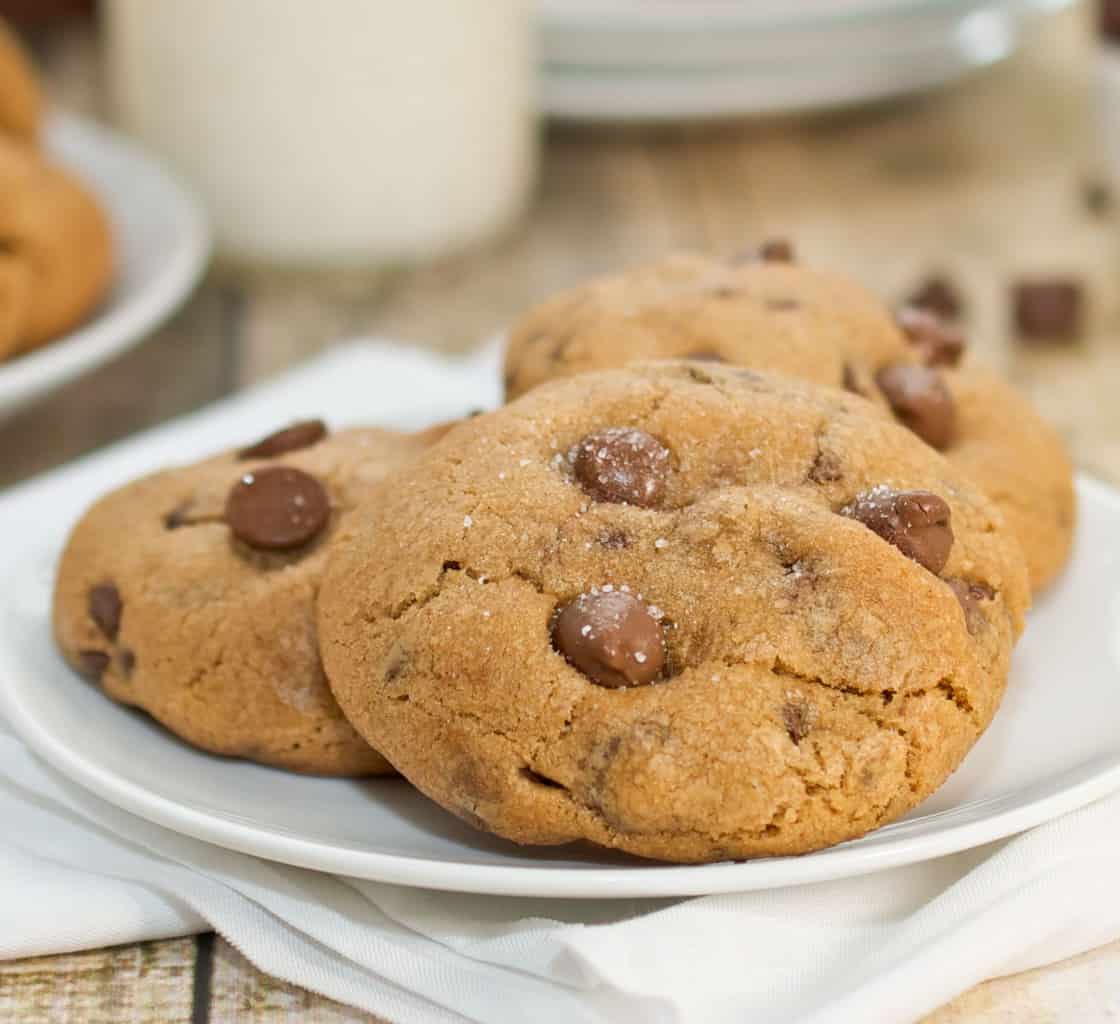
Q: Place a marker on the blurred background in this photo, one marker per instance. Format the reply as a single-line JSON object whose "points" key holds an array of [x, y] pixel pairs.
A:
{"points": [[425, 171]]}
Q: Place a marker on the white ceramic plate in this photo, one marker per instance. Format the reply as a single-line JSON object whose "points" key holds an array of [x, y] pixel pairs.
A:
{"points": [[1054, 746], [162, 241], [629, 62]]}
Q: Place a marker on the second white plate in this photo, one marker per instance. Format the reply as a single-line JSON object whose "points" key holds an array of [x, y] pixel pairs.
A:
{"points": [[631, 61], [1054, 747], [162, 244]]}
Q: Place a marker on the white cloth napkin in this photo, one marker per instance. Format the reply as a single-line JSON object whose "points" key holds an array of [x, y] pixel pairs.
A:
{"points": [[77, 873]]}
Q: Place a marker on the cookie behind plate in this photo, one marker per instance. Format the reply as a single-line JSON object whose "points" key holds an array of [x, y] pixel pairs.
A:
{"points": [[778, 317]]}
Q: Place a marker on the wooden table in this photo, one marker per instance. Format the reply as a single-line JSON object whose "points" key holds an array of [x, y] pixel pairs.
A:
{"points": [[986, 182]]}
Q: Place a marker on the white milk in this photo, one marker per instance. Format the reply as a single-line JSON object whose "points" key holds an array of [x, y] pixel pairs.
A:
{"points": [[341, 132]]}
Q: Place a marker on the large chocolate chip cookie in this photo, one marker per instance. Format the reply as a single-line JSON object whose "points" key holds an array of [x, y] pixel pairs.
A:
{"points": [[191, 594], [689, 611]]}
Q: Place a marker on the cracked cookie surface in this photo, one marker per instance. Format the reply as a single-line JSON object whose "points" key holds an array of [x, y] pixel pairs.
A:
{"points": [[211, 629], [727, 650], [779, 317]]}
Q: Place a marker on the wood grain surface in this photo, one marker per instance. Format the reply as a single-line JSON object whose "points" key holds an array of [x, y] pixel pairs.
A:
{"points": [[985, 182]]}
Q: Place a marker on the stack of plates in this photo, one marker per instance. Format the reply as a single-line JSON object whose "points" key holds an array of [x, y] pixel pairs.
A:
{"points": [[665, 59]]}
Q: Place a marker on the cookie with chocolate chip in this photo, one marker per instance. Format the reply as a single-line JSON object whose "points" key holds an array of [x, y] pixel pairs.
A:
{"points": [[191, 594], [776, 316], [685, 610]]}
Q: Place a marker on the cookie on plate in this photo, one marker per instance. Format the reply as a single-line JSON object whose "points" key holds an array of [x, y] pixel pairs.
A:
{"points": [[772, 315], [56, 254], [21, 99], [191, 594], [684, 610]]}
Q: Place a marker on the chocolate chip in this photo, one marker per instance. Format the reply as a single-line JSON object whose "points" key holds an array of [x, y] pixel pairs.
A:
{"points": [[178, 516], [970, 595], [798, 718], [706, 355], [105, 609], [920, 400], [622, 465], [92, 664], [1048, 309], [776, 250], [127, 661], [611, 637], [825, 468], [915, 522], [937, 343], [277, 508], [938, 295], [290, 439], [773, 250]]}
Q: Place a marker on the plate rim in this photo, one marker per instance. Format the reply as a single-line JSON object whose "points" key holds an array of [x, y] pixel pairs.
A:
{"points": [[1061, 794], [109, 332]]}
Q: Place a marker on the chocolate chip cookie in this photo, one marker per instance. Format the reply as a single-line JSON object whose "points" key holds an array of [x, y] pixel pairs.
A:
{"points": [[56, 253], [684, 610], [191, 594], [771, 315], [21, 99]]}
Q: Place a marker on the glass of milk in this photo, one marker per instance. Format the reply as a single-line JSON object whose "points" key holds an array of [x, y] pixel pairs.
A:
{"points": [[348, 133]]}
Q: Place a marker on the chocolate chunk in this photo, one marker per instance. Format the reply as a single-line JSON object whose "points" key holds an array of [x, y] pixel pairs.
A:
{"points": [[938, 295], [776, 250], [622, 465], [611, 637], [277, 508], [105, 609], [1048, 309], [773, 250], [127, 661], [920, 400], [970, 595], [92, 664], [290, 439], [937, 343], [798, 718], [915, 522]]}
